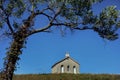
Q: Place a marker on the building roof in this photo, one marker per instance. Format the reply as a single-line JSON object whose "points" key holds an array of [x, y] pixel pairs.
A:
{"points": [[67, 57]]}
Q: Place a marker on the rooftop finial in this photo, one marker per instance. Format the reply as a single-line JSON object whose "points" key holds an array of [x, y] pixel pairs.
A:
{"points": [[67, 55]]}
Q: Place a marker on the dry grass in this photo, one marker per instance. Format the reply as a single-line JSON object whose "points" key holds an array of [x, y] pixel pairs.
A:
{"points": [[67, 77]]}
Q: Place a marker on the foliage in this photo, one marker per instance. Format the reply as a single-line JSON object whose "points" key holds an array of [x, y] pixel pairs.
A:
{"points": [[70, 13], [106, 24]]}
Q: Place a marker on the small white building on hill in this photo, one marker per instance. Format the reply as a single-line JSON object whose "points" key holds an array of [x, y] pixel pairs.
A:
{"points": [[66, 65]]}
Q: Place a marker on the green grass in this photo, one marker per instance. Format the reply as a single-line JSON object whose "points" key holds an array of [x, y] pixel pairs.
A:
{"points": [[67, 77]]}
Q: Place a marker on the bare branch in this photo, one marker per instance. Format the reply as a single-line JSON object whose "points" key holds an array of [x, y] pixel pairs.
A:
{"points": [[44, 29], [83, 28], [71, 26], [48, 26], [49, 17], [9, 25], [33, 15], [62, 24], [7, 18]]}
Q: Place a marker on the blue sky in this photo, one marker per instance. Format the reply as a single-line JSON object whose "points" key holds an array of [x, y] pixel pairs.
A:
{"points": [[94, 54]]}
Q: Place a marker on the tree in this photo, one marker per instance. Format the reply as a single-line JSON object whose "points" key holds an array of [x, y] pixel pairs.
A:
{"points": [[18, 17]]}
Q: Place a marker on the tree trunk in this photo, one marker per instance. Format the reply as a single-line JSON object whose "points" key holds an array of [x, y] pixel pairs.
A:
{"points": [[15, 49], [13, 54]]}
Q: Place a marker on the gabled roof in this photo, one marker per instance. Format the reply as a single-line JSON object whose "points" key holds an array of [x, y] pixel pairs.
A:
{"points": [[64, 60]]}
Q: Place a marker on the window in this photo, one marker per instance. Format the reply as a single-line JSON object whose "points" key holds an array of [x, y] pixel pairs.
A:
{"points": [[74, 70], [62, 69], [68, 68]]}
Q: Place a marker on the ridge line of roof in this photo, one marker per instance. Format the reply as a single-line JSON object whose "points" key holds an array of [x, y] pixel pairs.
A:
{"points": [[63, 60]]}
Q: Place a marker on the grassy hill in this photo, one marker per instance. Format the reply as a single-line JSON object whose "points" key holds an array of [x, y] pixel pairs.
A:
{"points": [[66, 77]]}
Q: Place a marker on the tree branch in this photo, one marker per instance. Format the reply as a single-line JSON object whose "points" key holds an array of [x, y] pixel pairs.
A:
{"points": [[9, 25], [33, 15], [62, 24], [71, 24], [49, 17], [7, 18], [44, 29], [48, 26], [83, 28]]}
